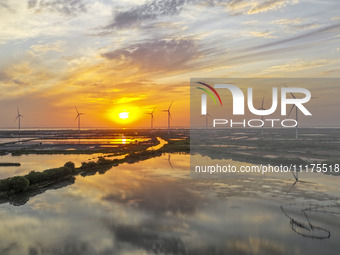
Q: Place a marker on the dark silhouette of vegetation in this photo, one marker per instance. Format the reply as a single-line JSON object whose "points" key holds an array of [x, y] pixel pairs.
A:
{"points": [[14, 184], [101, 166], [34, 180], [22, 198], [10, 164], [36, 177], [70, 165], [49, 175]]}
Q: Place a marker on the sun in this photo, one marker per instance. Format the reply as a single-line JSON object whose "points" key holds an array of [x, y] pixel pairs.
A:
{"points": [[123, 115]]}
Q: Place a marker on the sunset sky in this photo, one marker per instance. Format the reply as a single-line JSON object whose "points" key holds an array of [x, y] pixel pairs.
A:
{"points": [[107, 57]]}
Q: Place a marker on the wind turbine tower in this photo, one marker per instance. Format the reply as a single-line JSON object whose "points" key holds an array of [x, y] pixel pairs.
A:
{"points": [[152, 118], [169, 116], [262, 108], [78, 117], [19, 116]]}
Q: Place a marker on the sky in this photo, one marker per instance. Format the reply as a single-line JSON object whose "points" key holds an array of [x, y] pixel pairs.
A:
{"points": [[108, 57]]}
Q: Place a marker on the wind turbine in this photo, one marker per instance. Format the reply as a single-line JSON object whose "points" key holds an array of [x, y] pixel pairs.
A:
{"points": [[262, 108], [151, 114], [169, 116], [19, 116], [296, 118], [296, 115], [78, 117]]}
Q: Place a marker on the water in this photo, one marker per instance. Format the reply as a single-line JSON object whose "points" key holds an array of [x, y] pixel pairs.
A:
{"points": [[153, 207], [120, 141], [41, 162]]}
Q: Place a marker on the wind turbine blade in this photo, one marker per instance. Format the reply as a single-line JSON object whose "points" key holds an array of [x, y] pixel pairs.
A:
{"points": [[76, 109], [262, 102], [290, 92], [170, 105], [18, 111], [154, 109], [291, 109]]}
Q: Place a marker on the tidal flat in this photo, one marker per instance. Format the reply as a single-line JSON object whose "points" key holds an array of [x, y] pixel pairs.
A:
{"points": [[153, 206]]}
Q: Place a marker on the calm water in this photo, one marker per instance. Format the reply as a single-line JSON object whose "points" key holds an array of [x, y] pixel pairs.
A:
{"points": [[153, 207], [41, 162], [121, 140]]}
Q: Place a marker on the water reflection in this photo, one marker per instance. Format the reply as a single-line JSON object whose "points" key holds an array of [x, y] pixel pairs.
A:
{"points": [[41, 162], [22, 198], [122, 140], [150, 208]]}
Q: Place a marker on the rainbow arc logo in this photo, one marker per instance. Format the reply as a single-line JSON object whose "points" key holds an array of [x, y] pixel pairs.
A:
{"points": [[209, 93]]}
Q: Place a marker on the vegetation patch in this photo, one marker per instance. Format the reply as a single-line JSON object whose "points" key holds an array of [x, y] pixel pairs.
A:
{"points": [[10, 164]]}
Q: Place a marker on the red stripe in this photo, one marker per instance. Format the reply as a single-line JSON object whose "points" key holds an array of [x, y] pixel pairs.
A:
{"points": [[218, 96]]}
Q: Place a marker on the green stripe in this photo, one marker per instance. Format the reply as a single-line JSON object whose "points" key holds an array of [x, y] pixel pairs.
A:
{"points": [[208, 93]]}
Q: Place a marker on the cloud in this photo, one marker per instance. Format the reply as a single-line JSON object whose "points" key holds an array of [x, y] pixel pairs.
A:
{"points": [[331, 72], [149, 198], [316, 34], [147, 11], [245, 7], [4, 5], [282, 47], [295, 24], [54, 46], [254, 245], [65, 7], [21, 78], [287, 21], [300, 65], [157, 8], [157, 55], [124, 100], [263, 34], [145, 237], [266, 5], [18, 74]]}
